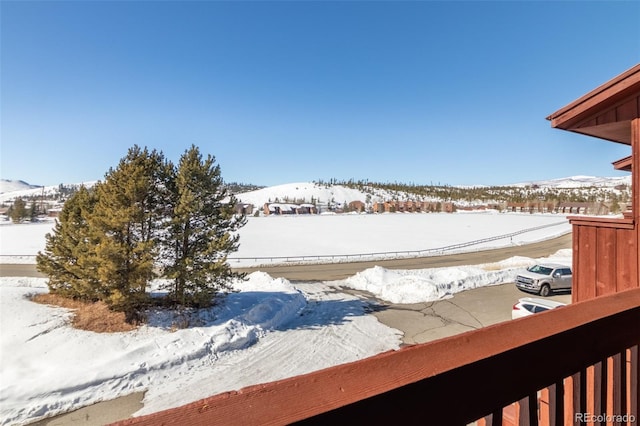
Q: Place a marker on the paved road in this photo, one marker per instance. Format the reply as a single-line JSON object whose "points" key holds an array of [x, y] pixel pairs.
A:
{"points": [[19, 270], [465, 311], [338, 271]]}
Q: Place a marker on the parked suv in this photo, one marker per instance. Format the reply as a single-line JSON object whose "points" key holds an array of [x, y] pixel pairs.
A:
{"points": [[545, 278]]}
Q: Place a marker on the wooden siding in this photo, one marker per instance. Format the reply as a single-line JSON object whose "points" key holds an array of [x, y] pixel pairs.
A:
{"points": [[604, 257]]}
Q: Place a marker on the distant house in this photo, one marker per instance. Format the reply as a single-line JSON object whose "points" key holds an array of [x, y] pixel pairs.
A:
{"points": [[413, 207], [246, 209], [583, 208], [531, 207], [286, 208], [306, 209], [431, 206], [356, 206], [448, 207], [472, 208], [54, 212], [378, 207]]}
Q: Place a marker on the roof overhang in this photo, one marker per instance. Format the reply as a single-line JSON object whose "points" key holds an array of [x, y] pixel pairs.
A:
{"points": [[605, 112], [623, 164]]}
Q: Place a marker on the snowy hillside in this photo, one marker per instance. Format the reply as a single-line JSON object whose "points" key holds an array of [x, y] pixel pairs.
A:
{"points": [[12, 189], [306, 192], [580, 182], [15, 186], [322, 194], [337, 195]]}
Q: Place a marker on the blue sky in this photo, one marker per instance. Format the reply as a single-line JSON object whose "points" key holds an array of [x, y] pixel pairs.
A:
{"points": [[424, 92]]}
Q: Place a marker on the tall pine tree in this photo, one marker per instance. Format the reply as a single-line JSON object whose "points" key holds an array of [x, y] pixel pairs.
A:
{"points": [[128, 216], [69, 255], [202, 231]]}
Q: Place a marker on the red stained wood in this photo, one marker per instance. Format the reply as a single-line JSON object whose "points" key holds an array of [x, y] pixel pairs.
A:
{"points": [[626, 266], [605, 258], [605, 261], [627, 110], [584, 288], [623, 164]]}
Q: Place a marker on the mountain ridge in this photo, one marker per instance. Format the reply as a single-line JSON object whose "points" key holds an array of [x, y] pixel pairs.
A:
{"points": [[340, 193]]}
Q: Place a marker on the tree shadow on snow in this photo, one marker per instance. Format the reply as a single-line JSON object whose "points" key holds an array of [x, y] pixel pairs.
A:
{"points": [[321, 313], [272, 310]]}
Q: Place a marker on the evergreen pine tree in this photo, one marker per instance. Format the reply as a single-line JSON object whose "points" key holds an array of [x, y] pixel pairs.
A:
{"points": [[33, 212], [69, 256], [128, 216], [202, 231], [18, 212]]}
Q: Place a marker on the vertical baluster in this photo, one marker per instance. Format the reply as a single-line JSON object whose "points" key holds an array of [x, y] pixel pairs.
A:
{"points": [[533, 410], [600, 375], [579, 396], [556, 403], [496, 418], [559, 397], [619, 386]]}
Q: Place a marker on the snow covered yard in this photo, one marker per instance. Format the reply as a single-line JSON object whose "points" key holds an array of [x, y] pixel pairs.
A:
{"points": [[267, 331], [270, 329]]}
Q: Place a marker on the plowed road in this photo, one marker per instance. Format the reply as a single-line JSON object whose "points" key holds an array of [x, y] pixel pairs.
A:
{"points": [[338, 271]]}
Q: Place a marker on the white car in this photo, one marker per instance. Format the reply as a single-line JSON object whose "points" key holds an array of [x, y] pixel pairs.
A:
{"points": [[545, 278], [531, 305]]}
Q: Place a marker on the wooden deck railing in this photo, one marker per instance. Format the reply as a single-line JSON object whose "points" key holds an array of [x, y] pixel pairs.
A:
{"points": [[587, 351]]}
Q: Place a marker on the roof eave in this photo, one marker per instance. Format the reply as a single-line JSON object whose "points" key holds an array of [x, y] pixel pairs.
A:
{"points": [[599, 99]]}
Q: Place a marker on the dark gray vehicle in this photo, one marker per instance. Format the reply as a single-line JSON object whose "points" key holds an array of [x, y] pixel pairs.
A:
{"points": [[545, 278]]}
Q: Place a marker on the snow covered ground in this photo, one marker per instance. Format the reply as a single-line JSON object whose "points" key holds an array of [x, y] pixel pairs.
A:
{"points": [[344, 237], [268, 330]]}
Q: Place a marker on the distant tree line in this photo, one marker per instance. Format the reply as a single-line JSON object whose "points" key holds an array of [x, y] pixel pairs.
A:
{"points": [[238, 188], [147, 218], [515, 194]]}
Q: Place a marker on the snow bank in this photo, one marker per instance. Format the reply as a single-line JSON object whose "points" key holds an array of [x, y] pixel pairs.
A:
{"points": [[426, 285]]}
